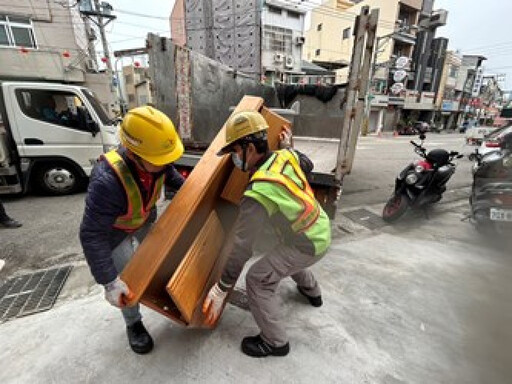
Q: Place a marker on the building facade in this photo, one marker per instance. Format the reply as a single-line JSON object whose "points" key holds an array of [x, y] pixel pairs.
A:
{"points": [[227, 31], [405, 74], [45, 41], [282, 41], [137, 86], [260, 38], [491, 99], [470, 78], [449, 95]]}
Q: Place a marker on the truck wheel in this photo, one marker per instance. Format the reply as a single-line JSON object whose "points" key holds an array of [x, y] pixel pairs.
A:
{"points": [[57, 179], [395, 208]]}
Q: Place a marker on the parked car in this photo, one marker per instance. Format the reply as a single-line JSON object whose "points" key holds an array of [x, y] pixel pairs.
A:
{"points": [[492, 141]]}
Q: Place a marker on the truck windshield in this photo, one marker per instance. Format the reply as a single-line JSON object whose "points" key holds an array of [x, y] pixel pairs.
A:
{"points": [[98, 108]]}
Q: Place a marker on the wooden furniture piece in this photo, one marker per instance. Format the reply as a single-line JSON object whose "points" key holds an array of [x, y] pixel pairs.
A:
{"points": [[187, 248]]}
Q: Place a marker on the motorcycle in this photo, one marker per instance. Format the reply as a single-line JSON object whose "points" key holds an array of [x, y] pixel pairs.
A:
{"points": [[491, 194], [422, 182]]}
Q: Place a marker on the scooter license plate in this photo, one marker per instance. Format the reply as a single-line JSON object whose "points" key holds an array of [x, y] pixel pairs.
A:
{"points": [[501, 214]]}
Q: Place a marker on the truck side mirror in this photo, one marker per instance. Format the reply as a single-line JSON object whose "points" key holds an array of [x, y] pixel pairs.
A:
{"points": [[93, 127], [86, 122]]}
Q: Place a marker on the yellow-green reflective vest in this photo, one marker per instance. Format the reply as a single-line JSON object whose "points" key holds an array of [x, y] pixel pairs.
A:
{"points": [[137, 213], [281, 186]]}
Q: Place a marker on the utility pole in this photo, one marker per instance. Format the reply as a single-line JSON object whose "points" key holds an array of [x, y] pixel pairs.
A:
{"points": [[91, 37], [106, 51], [364, 44], [98, 14]]}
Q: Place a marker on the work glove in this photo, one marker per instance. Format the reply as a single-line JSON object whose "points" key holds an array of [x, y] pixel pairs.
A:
{"points": [[213, 304], [285, 138], [117, 293]]}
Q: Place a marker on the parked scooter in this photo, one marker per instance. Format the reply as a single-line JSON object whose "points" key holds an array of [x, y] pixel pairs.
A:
{"points": [[422, 182], [491, 195]]}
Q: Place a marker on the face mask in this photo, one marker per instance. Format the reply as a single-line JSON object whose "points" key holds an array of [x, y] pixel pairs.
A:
{"points": [[237, 161]]}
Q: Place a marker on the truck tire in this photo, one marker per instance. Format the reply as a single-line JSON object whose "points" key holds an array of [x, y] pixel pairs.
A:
{"points": [[57, 179]]}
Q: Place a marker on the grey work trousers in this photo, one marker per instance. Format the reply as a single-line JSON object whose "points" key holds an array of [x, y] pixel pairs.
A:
{"points": [[262, 280], [121, 255]]}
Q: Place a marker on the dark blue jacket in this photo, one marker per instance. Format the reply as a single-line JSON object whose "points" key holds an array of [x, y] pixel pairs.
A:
{"points": [[106, 200]]}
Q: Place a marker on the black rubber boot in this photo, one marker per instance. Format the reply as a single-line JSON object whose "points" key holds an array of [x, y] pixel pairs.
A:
{"points": [[314, 301], [139, 338], [255, 346], [10, 223]]}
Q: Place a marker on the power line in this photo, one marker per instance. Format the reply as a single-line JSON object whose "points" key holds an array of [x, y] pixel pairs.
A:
{"points": [[141, 14], [347, 15], [488, 46]]}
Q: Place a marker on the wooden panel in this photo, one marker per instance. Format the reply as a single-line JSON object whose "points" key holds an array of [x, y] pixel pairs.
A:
{"points": [[275, 124], [188, 283], [160, 253], [233, 190]]}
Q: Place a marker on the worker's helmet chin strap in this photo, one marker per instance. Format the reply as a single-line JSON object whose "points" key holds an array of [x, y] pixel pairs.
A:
{"points": [[139, 162], [244, 155]]}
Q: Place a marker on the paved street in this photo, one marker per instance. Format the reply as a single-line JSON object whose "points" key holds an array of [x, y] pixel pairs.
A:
{"points": [[49, 235], [424, 301], [379, 160]]}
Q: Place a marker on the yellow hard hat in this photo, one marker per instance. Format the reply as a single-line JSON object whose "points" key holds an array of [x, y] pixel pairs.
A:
{"points": [[150, 134], [240, 125]]}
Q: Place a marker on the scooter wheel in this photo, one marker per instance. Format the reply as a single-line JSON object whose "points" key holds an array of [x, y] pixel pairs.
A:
{"points": [[395, 208]]}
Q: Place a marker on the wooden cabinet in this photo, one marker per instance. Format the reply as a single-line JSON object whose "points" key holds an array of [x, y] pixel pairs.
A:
{"points": [[187, 248]]}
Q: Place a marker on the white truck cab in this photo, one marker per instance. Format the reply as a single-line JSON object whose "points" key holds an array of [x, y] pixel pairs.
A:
{"points": [[51, 135]]}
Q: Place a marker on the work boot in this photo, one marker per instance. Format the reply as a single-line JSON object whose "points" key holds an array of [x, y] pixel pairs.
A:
{"points": [[314, 301], [139, 338], [7, 222], [255, 346]]}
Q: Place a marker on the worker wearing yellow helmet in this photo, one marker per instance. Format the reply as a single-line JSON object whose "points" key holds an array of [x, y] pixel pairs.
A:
{"points": [[121, 206], [278, 197]]}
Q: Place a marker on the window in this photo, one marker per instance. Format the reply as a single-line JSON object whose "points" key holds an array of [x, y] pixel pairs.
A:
{"points": [[454, 71], [128, 79], [317, 52], [16, 31], [98, 108], [54, 107], [293, 15], [346, 33], [131, 98], [319, 27], [274, 10], [276, 39]]}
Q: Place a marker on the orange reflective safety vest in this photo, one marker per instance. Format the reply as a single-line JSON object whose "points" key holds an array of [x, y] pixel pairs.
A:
{"points": [[137, 213], [281, 186]]}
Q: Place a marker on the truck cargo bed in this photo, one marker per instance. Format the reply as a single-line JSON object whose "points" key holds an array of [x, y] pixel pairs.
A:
{"points": [[323, 153]]}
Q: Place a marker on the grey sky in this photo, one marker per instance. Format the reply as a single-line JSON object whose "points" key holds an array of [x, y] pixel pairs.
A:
{"points": [[474, 27], [481, 27]]}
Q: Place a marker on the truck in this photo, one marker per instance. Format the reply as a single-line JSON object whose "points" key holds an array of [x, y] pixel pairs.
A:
{"points": [[198, 94], [51, 135]]}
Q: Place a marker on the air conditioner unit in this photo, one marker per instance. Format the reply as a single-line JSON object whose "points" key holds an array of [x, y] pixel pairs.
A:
{"points": [[300, 40], [90, 65], [439, 18], [278, 58], [289, 62], [85, 6]]}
